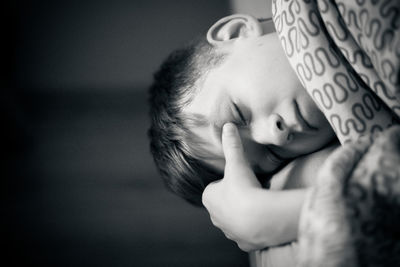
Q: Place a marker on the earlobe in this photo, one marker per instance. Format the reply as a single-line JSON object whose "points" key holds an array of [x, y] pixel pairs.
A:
{"points": [[235, 26]]}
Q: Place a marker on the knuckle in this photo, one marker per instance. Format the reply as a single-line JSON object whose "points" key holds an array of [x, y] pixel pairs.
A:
{"points": [[340, 160], [214, 222], [208, 192], [228, 236], [204, 202], [206, 199], [244, 247]]}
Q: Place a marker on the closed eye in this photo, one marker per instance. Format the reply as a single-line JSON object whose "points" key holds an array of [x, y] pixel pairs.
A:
{"points": [[241, 116]]}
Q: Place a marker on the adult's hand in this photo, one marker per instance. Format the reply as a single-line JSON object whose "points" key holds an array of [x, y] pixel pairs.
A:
{"points": [[228, 200], [351, 217], [324, 229]]}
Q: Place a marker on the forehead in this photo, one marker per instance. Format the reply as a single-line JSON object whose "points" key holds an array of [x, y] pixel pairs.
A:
{"points": [[209, 98]]}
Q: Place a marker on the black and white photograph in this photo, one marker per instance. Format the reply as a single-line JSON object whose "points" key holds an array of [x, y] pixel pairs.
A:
{"points": [[212, 133]]}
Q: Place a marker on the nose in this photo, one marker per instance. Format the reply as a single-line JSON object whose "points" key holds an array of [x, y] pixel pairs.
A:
{"points": [[271, 130]]}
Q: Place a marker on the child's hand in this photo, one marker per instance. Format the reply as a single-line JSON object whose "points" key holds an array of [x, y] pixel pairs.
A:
{"points": [[229, 200]]}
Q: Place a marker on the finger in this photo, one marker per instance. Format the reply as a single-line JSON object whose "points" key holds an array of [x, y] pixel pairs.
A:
{"points": [[237, 167], [233, 148], [390, 140], [342, 161]]}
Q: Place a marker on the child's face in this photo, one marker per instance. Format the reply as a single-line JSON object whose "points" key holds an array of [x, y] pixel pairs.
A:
{"points": [[256, 88]]}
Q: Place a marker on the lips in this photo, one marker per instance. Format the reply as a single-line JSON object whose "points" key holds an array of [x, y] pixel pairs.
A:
{"points": [[304, 124], [274, 157], [279, 153]]}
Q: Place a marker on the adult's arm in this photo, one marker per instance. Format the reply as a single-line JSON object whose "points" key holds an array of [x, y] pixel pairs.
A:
{"points": [[334, 65]]}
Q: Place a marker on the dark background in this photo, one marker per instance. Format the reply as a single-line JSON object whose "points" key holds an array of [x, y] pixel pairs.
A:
{"points": [[79, 187]]}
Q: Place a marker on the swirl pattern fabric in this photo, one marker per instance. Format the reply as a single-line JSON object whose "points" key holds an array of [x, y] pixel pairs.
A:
{"points": [[346, 55]]}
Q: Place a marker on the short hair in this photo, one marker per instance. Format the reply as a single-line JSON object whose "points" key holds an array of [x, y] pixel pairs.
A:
{"points": [[175, 84]]}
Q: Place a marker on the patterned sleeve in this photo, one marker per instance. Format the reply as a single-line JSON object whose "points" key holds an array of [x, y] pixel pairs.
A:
{"points": [[333, 48]]}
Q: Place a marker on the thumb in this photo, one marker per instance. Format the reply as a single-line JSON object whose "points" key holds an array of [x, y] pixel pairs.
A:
{"points": [[341, 163], [233, 149]]}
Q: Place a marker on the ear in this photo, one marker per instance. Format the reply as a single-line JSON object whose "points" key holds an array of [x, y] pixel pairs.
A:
{"points": [[234, 26]]}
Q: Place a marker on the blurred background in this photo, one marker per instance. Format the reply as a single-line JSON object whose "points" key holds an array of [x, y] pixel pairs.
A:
{"points": [[79, 187]]}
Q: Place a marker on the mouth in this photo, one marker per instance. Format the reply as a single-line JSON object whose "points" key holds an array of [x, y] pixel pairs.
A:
{"points": [[274, 157], [304, 124], [272, 161], [278, 155]]}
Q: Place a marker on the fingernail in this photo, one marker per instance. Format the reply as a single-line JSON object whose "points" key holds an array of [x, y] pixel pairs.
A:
{"points": [[228, 128]]}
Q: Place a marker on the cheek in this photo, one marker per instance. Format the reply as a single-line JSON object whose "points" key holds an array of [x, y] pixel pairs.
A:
{"points": [[320, 140]]}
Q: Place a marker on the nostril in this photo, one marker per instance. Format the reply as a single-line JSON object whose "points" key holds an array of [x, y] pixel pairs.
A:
{"points": [[279, 125]]}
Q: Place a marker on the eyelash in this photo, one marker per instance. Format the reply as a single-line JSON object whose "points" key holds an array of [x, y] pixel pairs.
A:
{"points": [[243, 120]]}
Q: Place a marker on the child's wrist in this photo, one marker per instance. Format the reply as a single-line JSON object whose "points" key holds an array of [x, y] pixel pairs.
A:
{"points": [[278, 222]]}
